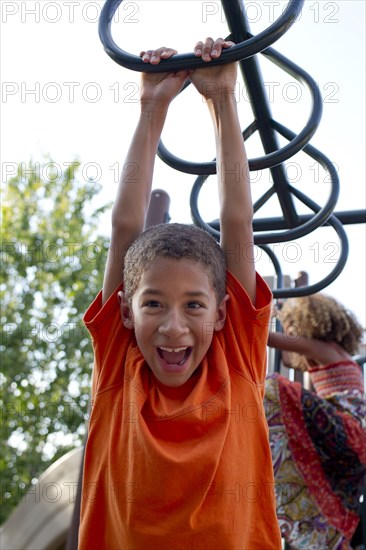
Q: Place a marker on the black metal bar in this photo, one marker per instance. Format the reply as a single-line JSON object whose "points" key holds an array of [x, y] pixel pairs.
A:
{"points": [[276, 264], [189, 61], [239, 27], [277, 267], [350, 217], [296, 143], [197, 168], [320, 218], [263, 199], [322, 214], [332, 221], [317, 287], [346, 218]]}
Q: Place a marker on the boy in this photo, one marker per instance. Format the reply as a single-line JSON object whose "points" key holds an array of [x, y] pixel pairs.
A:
{"points": [[178, 454]]}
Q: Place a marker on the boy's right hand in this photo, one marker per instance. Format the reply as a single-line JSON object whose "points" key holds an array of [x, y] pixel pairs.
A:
{"points": [[159, 89]]}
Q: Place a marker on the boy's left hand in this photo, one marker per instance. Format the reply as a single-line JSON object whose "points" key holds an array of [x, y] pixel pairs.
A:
{"points": [[218, 78]]}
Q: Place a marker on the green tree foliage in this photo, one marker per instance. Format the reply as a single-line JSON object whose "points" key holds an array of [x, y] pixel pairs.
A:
{"points": [[52, 268]]}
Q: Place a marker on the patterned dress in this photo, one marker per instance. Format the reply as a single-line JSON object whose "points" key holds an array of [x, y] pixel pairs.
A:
{"points": [[318, 445]]}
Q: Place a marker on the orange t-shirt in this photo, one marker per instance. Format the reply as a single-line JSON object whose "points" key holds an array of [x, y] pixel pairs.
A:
{"points": [[185, 468]]}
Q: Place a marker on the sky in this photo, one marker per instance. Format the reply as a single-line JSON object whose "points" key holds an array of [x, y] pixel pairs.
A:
{"points": [[62, 97]]}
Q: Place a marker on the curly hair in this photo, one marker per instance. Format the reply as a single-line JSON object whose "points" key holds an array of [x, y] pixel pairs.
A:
{"points": [[176, 241], [321, 317]]}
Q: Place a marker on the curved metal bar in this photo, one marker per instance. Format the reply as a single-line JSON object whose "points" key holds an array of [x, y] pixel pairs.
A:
{"points": [[296, 143], [276, 264], [195, 214], [299, 291], [277, 223], [320, 218], [243, 50], [351, 217], [322, 214], [195, 168], [277, 267], [185, 166], [316, 287]]}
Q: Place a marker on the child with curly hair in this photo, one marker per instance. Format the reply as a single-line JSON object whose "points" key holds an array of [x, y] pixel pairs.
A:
{"points": [[174, 458], [318, 438]]}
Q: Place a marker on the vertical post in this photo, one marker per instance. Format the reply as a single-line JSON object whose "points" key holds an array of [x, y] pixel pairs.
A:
{"points": [[240, 29]]}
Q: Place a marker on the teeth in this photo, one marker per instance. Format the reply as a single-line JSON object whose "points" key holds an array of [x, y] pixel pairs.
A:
{"points": [[174, 349]]}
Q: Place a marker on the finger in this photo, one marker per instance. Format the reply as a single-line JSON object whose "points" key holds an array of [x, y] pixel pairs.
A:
{"points": [[155, 56], [218, 45], [198, 49], [206, 49], [168, 52], [146, 56]]}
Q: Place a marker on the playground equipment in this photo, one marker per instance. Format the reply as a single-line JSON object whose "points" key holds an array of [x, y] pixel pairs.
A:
{"points": [[267, 230], [291, 225]]}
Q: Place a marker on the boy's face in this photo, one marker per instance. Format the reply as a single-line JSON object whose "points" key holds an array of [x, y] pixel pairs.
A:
{"points": [[174, 313]]}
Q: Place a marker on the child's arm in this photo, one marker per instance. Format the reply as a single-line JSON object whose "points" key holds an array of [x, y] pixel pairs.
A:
{"points": [[316, 351], [217, 85], [133, 194]]}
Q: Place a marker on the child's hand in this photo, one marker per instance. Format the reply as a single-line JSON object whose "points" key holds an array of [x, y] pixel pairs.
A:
{"points": [[159, 89], [211, 81], [293, 360]]}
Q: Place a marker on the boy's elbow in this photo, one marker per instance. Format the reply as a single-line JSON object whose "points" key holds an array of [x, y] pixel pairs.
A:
{"points": [[118, 221], [234, 217], [236, 230], [126, 222], [125, 231]]}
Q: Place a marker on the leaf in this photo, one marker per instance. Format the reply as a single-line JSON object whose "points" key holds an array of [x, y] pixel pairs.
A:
{"points": [[49, 277]]}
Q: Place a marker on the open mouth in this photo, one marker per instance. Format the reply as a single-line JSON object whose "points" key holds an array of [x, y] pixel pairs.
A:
{"points": [[174, 356]]}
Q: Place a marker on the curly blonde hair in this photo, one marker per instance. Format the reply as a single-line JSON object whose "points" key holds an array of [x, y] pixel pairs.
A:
{"points": [[323, 318]]}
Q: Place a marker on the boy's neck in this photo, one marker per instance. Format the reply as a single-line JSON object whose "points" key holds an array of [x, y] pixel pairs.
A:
{"points": [[173, 396]]}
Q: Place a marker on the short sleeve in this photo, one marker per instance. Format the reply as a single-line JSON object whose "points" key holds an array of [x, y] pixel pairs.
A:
{"points": [[111, 341], [245, 333]]}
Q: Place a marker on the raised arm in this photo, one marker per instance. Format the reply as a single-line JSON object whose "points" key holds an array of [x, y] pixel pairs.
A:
{"points": [[217, 85], [315, 351], [133, 194]]}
